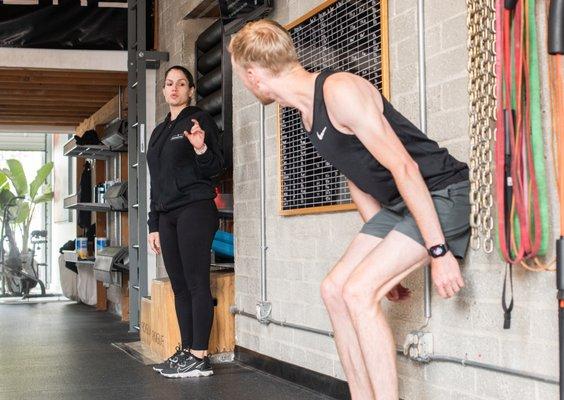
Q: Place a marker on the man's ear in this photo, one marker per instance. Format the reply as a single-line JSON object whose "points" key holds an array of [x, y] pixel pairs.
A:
{"points": [[251, 75]]}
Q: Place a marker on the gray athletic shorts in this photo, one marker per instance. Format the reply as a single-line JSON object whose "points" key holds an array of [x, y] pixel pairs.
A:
{"points": [[453, 207]]}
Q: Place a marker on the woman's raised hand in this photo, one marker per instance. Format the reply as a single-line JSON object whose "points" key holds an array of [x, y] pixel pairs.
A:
{"points": [[196, 135]]}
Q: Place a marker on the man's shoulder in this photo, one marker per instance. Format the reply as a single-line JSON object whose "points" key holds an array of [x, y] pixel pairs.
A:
{"points": [[341, 85], [344, 78], [343, 90], [341, 79]]}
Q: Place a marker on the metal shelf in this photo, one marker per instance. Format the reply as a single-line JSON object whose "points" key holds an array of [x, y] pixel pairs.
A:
{"points": [[72, 256], [89, 262], [225, 212], [71, 203], [96, 152], [222, 267]]}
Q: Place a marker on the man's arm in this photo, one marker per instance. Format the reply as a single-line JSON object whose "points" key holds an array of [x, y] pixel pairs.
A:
{"points": [[345, 94], [367, 205]]}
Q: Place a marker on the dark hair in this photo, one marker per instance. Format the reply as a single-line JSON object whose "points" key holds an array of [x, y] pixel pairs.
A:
{"points": [[186, 73]]}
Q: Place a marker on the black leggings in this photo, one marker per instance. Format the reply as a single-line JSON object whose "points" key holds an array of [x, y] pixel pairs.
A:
{"points": [[186, 236]]}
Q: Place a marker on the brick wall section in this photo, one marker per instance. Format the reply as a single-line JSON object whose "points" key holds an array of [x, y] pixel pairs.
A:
{"points": [[301, 250]]}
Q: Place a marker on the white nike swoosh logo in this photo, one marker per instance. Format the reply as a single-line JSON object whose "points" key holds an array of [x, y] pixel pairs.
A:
{"points": [[187, 367], [320, 135]]}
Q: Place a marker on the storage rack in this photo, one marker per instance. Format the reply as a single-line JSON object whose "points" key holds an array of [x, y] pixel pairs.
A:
{"points": [[112, 171], [93, 152]]}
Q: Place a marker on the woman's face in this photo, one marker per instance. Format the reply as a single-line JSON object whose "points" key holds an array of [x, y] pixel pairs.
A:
{"points": [[177, 91]]}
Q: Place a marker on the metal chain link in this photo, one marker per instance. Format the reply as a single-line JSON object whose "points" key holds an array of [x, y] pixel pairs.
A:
{"points": [[481, 88]]}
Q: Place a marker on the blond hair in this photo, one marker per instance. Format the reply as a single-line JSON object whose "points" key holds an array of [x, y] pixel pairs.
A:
{"points": [[265, 43]]}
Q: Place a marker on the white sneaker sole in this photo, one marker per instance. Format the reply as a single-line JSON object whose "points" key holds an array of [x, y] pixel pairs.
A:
{"points": [[189, 374]]}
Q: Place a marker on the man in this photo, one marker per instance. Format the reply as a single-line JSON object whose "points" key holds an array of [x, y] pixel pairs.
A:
{"points": [[412, 195]]}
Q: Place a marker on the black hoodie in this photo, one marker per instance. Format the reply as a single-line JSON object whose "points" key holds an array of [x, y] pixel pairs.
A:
{"points": [[178, 175]]}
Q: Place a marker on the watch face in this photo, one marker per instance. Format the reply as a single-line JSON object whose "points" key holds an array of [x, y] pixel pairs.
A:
{"points": [[437, 250]]}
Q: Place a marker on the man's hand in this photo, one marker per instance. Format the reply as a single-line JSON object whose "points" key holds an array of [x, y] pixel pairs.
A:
{"points": [[155, 242], [398, 293], [446, 275], [196, 135]]}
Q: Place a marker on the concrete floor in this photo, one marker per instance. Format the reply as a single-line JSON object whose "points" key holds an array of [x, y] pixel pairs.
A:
{"points": [[62, 350]]}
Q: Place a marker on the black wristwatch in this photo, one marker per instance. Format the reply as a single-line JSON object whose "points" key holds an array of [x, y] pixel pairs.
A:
{"points": [[438, 250]]}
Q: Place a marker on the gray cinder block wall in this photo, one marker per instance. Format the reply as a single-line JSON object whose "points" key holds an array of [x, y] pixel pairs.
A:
{"points": [[302, 249]]}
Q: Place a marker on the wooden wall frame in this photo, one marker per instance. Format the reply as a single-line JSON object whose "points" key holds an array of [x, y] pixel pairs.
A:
{"points": [[385, 91]]}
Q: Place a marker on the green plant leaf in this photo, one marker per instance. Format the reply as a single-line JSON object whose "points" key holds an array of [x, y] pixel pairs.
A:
{"points": [[3, 180], [44, 197], [5, 196], [17, 176], [23, 212], [42, 174], [6, 172]]}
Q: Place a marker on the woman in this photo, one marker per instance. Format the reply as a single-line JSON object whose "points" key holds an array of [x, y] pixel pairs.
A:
{"points": [[183, 157]]}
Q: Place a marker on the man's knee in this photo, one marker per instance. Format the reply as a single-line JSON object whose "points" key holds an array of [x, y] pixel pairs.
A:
{"points": [[360, 295], [332, 290]]}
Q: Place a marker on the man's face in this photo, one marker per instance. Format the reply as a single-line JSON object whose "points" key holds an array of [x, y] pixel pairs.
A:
{"points": [[253, 78]]}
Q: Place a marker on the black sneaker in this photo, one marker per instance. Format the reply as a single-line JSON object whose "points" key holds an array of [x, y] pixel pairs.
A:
{"points": [[188, 366], [169, 362]]}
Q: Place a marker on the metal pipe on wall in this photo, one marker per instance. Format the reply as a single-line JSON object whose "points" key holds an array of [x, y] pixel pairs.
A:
{"points": [[264, 308], [235, 310], [263, 294], [423, 127], [400, 351], [494, 368]]}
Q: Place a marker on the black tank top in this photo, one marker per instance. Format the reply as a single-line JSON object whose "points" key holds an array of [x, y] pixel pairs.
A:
{"points": [[347, 153]]}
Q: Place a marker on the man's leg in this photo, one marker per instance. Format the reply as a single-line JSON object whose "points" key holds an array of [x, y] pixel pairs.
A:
{"points": [[345, 337], [383, 268]]}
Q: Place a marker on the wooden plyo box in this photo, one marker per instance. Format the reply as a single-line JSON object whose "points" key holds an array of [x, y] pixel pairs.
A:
{"points": [[165, 335], [159, 326], [222, 337], [145, 325]]}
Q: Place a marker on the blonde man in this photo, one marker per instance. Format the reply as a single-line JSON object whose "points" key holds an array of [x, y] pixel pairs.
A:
{"points": [[411, 194]]}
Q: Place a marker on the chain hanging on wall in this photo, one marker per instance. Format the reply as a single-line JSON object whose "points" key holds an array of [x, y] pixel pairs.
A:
{"points": [[481, 88]]}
